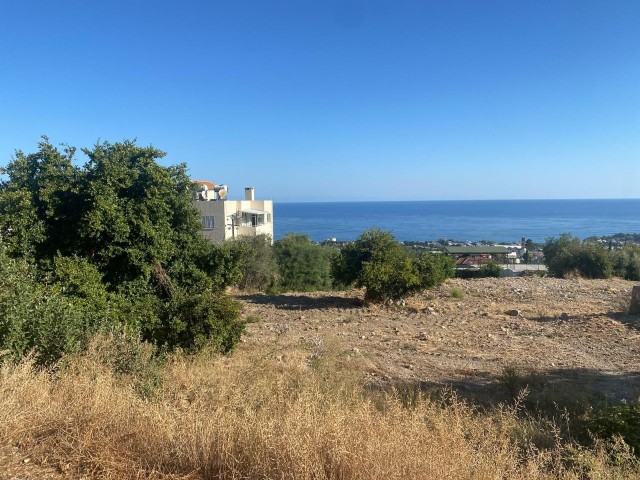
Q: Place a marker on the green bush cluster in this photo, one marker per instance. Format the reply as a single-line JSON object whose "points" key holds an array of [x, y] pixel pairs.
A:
{"points": [[293, 263], [375, 261], [567, 255], [619, 420], [36, 312], [303, 265], [487, 270], [388, 271], [112, 244], [257, 261]]}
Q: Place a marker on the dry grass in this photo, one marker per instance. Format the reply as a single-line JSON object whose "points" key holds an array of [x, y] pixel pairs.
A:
{"points": [[295, 414]]}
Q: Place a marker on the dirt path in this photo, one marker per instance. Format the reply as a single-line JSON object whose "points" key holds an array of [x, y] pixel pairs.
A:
{"points": [[570, 333]]}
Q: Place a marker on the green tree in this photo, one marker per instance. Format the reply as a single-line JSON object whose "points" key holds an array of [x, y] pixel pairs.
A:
{"points": [[566, 255], [40, 202], [257, 262], [435, 268], [347, 266], [303, 265], [560, 254], [626, 262], [388, 271], [129, 221]]}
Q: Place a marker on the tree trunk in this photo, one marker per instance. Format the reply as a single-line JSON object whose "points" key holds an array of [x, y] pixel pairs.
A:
{"points": [[635, 301]]}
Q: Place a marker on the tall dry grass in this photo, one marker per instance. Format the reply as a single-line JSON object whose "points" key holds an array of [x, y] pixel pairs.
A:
{"points": [[268, 414]]}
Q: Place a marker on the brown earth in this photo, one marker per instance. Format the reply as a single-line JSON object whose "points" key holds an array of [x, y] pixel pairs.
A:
{"points": [[573, 336]]}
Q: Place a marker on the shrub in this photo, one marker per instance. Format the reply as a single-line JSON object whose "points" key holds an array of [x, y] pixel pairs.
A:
{"points": [[257, 262], [621, 420], [303, 265], [389, 276], [50, 318], [377, 262], [566, 255], [457, 292], [115, 242], [347, 266], [488, 270], [627, 262], [435, 268], [491, 270]]}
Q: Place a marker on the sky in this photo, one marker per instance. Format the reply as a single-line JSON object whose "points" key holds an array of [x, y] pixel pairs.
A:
{"points": [[339, 100]]}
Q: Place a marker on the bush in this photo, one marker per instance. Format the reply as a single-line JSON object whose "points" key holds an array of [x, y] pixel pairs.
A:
{"points": [[488, 270], [377, 262], [435, 268], [50, 318], [457, 292], [566, 256], [627, 262], [257, 262], [113, 243], [622, 420], [389, 275], [303, 265]]}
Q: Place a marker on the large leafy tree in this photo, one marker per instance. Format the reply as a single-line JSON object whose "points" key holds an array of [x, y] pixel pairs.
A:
{"points": [[40, 202], [133, 221], [387, 271]]}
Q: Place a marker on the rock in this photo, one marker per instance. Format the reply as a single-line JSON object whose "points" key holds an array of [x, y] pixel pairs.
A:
{"points": [[564, 316], [634, 309], [512, 313], [422, 336]]}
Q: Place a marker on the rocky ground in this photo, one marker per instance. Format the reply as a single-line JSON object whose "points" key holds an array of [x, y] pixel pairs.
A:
{"points": [[573, 336]]}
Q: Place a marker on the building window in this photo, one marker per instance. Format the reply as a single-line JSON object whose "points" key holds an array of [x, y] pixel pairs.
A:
{"points": [[268, 218], [208, 223], [252, 220]]}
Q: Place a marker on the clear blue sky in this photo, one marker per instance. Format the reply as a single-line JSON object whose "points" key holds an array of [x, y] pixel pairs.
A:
{"points": [[339, 100]]}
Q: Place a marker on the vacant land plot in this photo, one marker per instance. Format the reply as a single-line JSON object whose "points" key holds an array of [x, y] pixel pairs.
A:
{"points": [[565, 335], [540, 354]]}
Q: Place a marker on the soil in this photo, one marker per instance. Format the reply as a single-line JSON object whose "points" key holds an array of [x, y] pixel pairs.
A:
{"points": [[574, 336]]}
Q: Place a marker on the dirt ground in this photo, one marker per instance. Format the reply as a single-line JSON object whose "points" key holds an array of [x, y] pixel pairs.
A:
{"points": [[567, 335]]}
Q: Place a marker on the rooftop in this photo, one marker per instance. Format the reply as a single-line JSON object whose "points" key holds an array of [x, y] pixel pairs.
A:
{"points": [[476, 249]]}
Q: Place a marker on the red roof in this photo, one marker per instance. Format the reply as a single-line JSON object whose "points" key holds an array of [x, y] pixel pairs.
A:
{"points": [[205, 182]]}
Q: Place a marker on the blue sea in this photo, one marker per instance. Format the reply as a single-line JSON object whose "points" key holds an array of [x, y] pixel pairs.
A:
{"points": [[494, 220]]}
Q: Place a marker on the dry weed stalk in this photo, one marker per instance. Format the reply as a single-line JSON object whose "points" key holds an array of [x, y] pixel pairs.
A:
{"points": [[252, 415]]}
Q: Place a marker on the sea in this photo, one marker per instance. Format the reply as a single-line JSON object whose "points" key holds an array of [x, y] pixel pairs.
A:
{"points": [[463, 220]]}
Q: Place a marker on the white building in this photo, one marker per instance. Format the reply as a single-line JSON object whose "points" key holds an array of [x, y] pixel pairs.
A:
{"points": [[224, 219]]}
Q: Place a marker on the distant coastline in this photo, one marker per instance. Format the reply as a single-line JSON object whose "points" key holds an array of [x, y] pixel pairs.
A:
{"points": [[492, 221]]}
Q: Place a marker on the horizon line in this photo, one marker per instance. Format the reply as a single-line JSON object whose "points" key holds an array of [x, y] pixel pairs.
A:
{"points": [[464, 200]]}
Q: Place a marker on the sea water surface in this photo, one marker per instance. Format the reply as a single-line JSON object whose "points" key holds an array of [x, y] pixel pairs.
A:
{"points": [[494, 220]]}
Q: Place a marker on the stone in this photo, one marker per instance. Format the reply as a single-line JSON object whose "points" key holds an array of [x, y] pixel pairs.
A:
{"points": [[564, 316], [634, 309], [512, 313]]}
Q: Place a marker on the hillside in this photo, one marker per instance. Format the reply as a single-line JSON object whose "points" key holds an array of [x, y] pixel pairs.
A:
{"points": [[308, 393]]}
